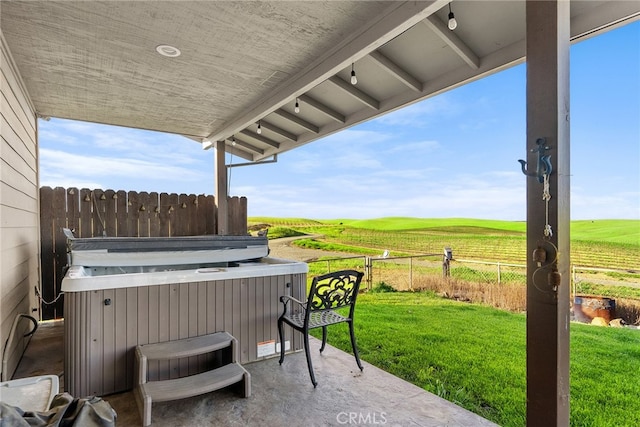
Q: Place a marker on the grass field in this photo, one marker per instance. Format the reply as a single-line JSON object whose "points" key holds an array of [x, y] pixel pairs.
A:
{"points": [[602, 243], [475, 356]]}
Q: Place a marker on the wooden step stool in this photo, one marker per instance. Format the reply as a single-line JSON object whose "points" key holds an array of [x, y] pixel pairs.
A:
{"points": [[188, 386]]}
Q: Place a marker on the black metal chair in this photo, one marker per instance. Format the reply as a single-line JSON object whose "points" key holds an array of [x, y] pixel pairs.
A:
{"points": [[328, 293]]}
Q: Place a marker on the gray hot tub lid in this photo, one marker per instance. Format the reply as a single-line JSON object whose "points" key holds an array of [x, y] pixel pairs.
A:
{"points": [[105, 251], [159, 244]]}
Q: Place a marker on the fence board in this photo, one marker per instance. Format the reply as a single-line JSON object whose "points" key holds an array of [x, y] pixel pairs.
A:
{"points": [[134, 213], [182, 214], [46, 247], [122, 221], [109, 214], [232, 206], [73, 210], [237, 214], [154, 217], [167, 214], [85, 228], [153, 227], [144, 215], [98, 207], [202, 209], [171, 207], [210, 214], [192, 213], [59, 249]]}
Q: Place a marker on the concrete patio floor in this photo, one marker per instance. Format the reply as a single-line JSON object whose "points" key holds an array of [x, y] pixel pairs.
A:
{"points": [[281, 395]]}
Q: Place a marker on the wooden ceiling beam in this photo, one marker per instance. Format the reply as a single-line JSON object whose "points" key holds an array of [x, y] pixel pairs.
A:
{"points": [[236, 150], [260, 138], [396, 71], [297, 120], [453, 41], [275, 129], [248, 146], [355, 92], [330, 112]]}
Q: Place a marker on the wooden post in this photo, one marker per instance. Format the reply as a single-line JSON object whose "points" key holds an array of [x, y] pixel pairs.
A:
{"points": [[547, 26], [410, 273], [221, 189]]}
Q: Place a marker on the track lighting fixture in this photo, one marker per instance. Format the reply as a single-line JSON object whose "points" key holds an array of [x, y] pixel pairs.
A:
{"points": [[452, 20], [259, 128], [354, 79], [297, 107]]}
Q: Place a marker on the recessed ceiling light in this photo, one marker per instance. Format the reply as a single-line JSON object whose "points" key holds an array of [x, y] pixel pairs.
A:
{"points": [[166, 50]]}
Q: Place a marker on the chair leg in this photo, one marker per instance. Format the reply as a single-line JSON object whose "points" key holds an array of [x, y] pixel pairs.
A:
{"points": [[308, 354], [324, 338], [281, 335], [354, 346]]}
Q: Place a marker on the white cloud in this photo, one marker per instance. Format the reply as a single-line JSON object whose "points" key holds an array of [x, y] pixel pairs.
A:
{"points": [[344, 196], [415, 148], [60, 180], [356, 136], [350, 150], [614, 205], [96, 139], [422, 114], [59, 166]]}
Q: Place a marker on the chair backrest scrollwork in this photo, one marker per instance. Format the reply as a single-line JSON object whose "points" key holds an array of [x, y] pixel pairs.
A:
{"points": [[334, 290]]}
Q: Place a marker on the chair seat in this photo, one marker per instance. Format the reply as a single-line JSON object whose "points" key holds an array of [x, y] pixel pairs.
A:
{"points": [[316, 319]]}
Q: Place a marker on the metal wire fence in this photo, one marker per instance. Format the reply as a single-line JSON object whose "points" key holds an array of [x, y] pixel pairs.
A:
{"points": [[498, 284], [407, 272]]}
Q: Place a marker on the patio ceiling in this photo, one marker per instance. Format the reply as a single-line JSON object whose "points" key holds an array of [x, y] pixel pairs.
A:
{"points": [[244, 63]]}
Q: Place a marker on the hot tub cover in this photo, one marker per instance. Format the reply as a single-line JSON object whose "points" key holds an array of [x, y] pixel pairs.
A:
{"points": [[136, 251]]}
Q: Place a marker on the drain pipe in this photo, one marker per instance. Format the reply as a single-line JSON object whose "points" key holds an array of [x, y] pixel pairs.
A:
{"points": [[11, 338]]}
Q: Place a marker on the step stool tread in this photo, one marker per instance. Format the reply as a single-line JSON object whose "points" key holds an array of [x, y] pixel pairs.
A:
{"points": [[186, 347], [193, 385]]}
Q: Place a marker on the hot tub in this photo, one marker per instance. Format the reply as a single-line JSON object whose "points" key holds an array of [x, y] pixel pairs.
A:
{"points": [[109, 309]]}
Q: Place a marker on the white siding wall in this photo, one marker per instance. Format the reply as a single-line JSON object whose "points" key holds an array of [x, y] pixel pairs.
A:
{"points": [[19, 207]]}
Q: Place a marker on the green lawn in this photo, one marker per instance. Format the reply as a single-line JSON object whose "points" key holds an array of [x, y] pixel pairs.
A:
{"points": [[475, 356], [602, 243]]}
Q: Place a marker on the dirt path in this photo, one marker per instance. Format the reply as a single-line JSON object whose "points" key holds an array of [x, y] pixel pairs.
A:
{"points": [[282, 248]]}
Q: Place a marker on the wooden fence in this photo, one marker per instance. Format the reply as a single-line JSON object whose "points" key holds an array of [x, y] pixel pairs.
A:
{"points": [[95, 213]]}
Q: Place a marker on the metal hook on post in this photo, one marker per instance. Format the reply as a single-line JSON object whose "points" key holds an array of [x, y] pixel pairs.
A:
{"points": [[544, 161]]}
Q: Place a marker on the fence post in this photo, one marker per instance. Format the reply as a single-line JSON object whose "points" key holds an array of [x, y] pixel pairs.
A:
{"points": [[446, 259], [446, 272], [366, 272], [498, 273], [411, 273]]}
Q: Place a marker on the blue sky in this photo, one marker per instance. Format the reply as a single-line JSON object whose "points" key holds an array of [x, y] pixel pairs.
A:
{"points": [[454, 155]]}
